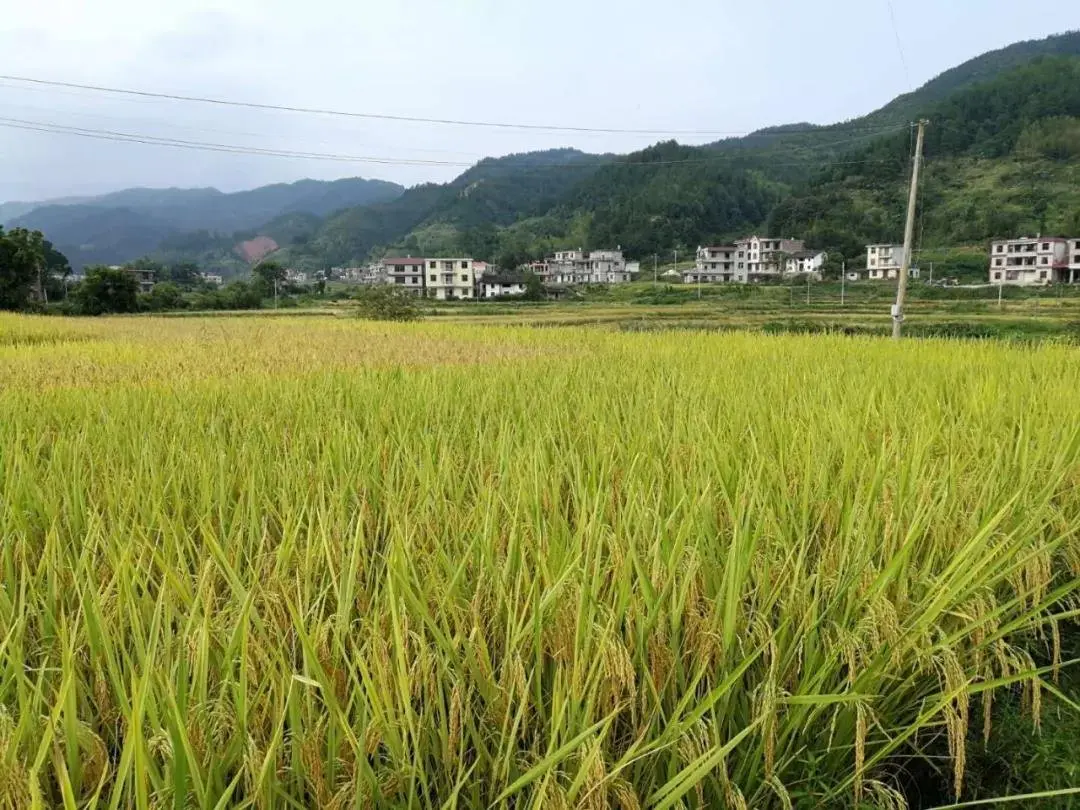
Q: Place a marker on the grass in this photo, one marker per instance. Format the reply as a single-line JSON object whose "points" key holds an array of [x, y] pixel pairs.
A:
{"points": [[317, 562]]}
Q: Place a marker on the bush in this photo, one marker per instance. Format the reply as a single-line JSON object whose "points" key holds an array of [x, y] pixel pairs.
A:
{"points": [[384, 302]]}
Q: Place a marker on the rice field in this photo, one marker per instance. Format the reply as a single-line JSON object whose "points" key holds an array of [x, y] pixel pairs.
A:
{"points": [[317, 562]]}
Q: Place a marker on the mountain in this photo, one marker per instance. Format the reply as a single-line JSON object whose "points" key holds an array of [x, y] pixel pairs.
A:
{"points": [[494, 193], [139, 219]]}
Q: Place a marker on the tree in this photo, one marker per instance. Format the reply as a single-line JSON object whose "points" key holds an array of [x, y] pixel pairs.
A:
{"points": [[22, 260], [57, 270], [268, 276], [106, 290], [534, 289], [184, 274], [165, 296]]}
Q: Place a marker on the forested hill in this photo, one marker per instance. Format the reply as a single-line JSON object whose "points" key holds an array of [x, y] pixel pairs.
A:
{"points": [[1002, 158]]}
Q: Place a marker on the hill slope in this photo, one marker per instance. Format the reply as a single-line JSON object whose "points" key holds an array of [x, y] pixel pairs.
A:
{"points": [[1002, 158]]}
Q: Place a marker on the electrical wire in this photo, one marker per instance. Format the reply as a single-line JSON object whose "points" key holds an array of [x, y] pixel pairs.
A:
{"points": [[899, 44], [153, 140], [401, 118]]}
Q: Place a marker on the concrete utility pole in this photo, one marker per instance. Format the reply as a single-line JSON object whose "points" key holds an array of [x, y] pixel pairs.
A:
{"points": [[909, 236], [654, 260], [843, 280]]}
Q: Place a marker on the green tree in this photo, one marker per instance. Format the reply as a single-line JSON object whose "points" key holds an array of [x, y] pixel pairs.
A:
{"points": [[166, 295], [22, 261], [268, 276], [106, 290], [534, 289], [184, 274]]}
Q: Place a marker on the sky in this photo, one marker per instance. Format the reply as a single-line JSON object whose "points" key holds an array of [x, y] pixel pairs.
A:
{"points": [[712, 67]]}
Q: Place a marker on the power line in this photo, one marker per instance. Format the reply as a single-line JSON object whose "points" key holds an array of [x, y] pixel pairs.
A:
{"points": [[899, 44], [401, 118], [153, 140]]}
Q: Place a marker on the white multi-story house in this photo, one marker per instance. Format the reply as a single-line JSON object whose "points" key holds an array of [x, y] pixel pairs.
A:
{"points": [[449, 279], [1029, 260], [806, 262], [407, 273], [715, 264], [758, 257], [212, 278], [883, 263]]}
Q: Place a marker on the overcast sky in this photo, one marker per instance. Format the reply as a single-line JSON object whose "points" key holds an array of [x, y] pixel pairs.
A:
{"points": [[699, 65]]}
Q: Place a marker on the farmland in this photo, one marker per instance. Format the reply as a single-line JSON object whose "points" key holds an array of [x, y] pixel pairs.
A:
{"points": [[318, 562]]}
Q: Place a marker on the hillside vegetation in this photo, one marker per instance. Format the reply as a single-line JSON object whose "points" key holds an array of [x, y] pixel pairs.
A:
{"points": [[1001, 159]]}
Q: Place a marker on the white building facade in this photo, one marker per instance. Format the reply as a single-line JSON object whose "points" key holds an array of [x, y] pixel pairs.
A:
{"points": [[806, 262], [754, 259], [1074, 260], [716, 265], [449, 279], [883, 263], [584, 267], [502, 286], [1030, 261], [760, 256]]}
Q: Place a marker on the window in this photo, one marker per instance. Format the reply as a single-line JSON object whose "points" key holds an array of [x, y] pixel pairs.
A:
{"points": [[1042, 274], [464, 277], [432, 279], [873, 262], [999, 262], [399, 281], [1046, 246], [1045, 260], [1000, 248], [464, 265], [432, 265], [873, 250], [997, 276]]}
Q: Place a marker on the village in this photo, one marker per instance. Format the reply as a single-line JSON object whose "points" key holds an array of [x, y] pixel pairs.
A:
{"points": [[1022, 261]]}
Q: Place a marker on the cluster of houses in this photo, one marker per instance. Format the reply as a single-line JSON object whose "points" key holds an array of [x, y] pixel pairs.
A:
{"points": [[754, 259], [463, 278], [1035, 261]]}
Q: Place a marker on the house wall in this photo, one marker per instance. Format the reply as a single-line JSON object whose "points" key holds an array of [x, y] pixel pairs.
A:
{"points": [[448, 279]]}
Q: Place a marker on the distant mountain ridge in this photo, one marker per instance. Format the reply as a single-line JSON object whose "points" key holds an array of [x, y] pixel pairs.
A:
{"points": [[107, 228]]}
